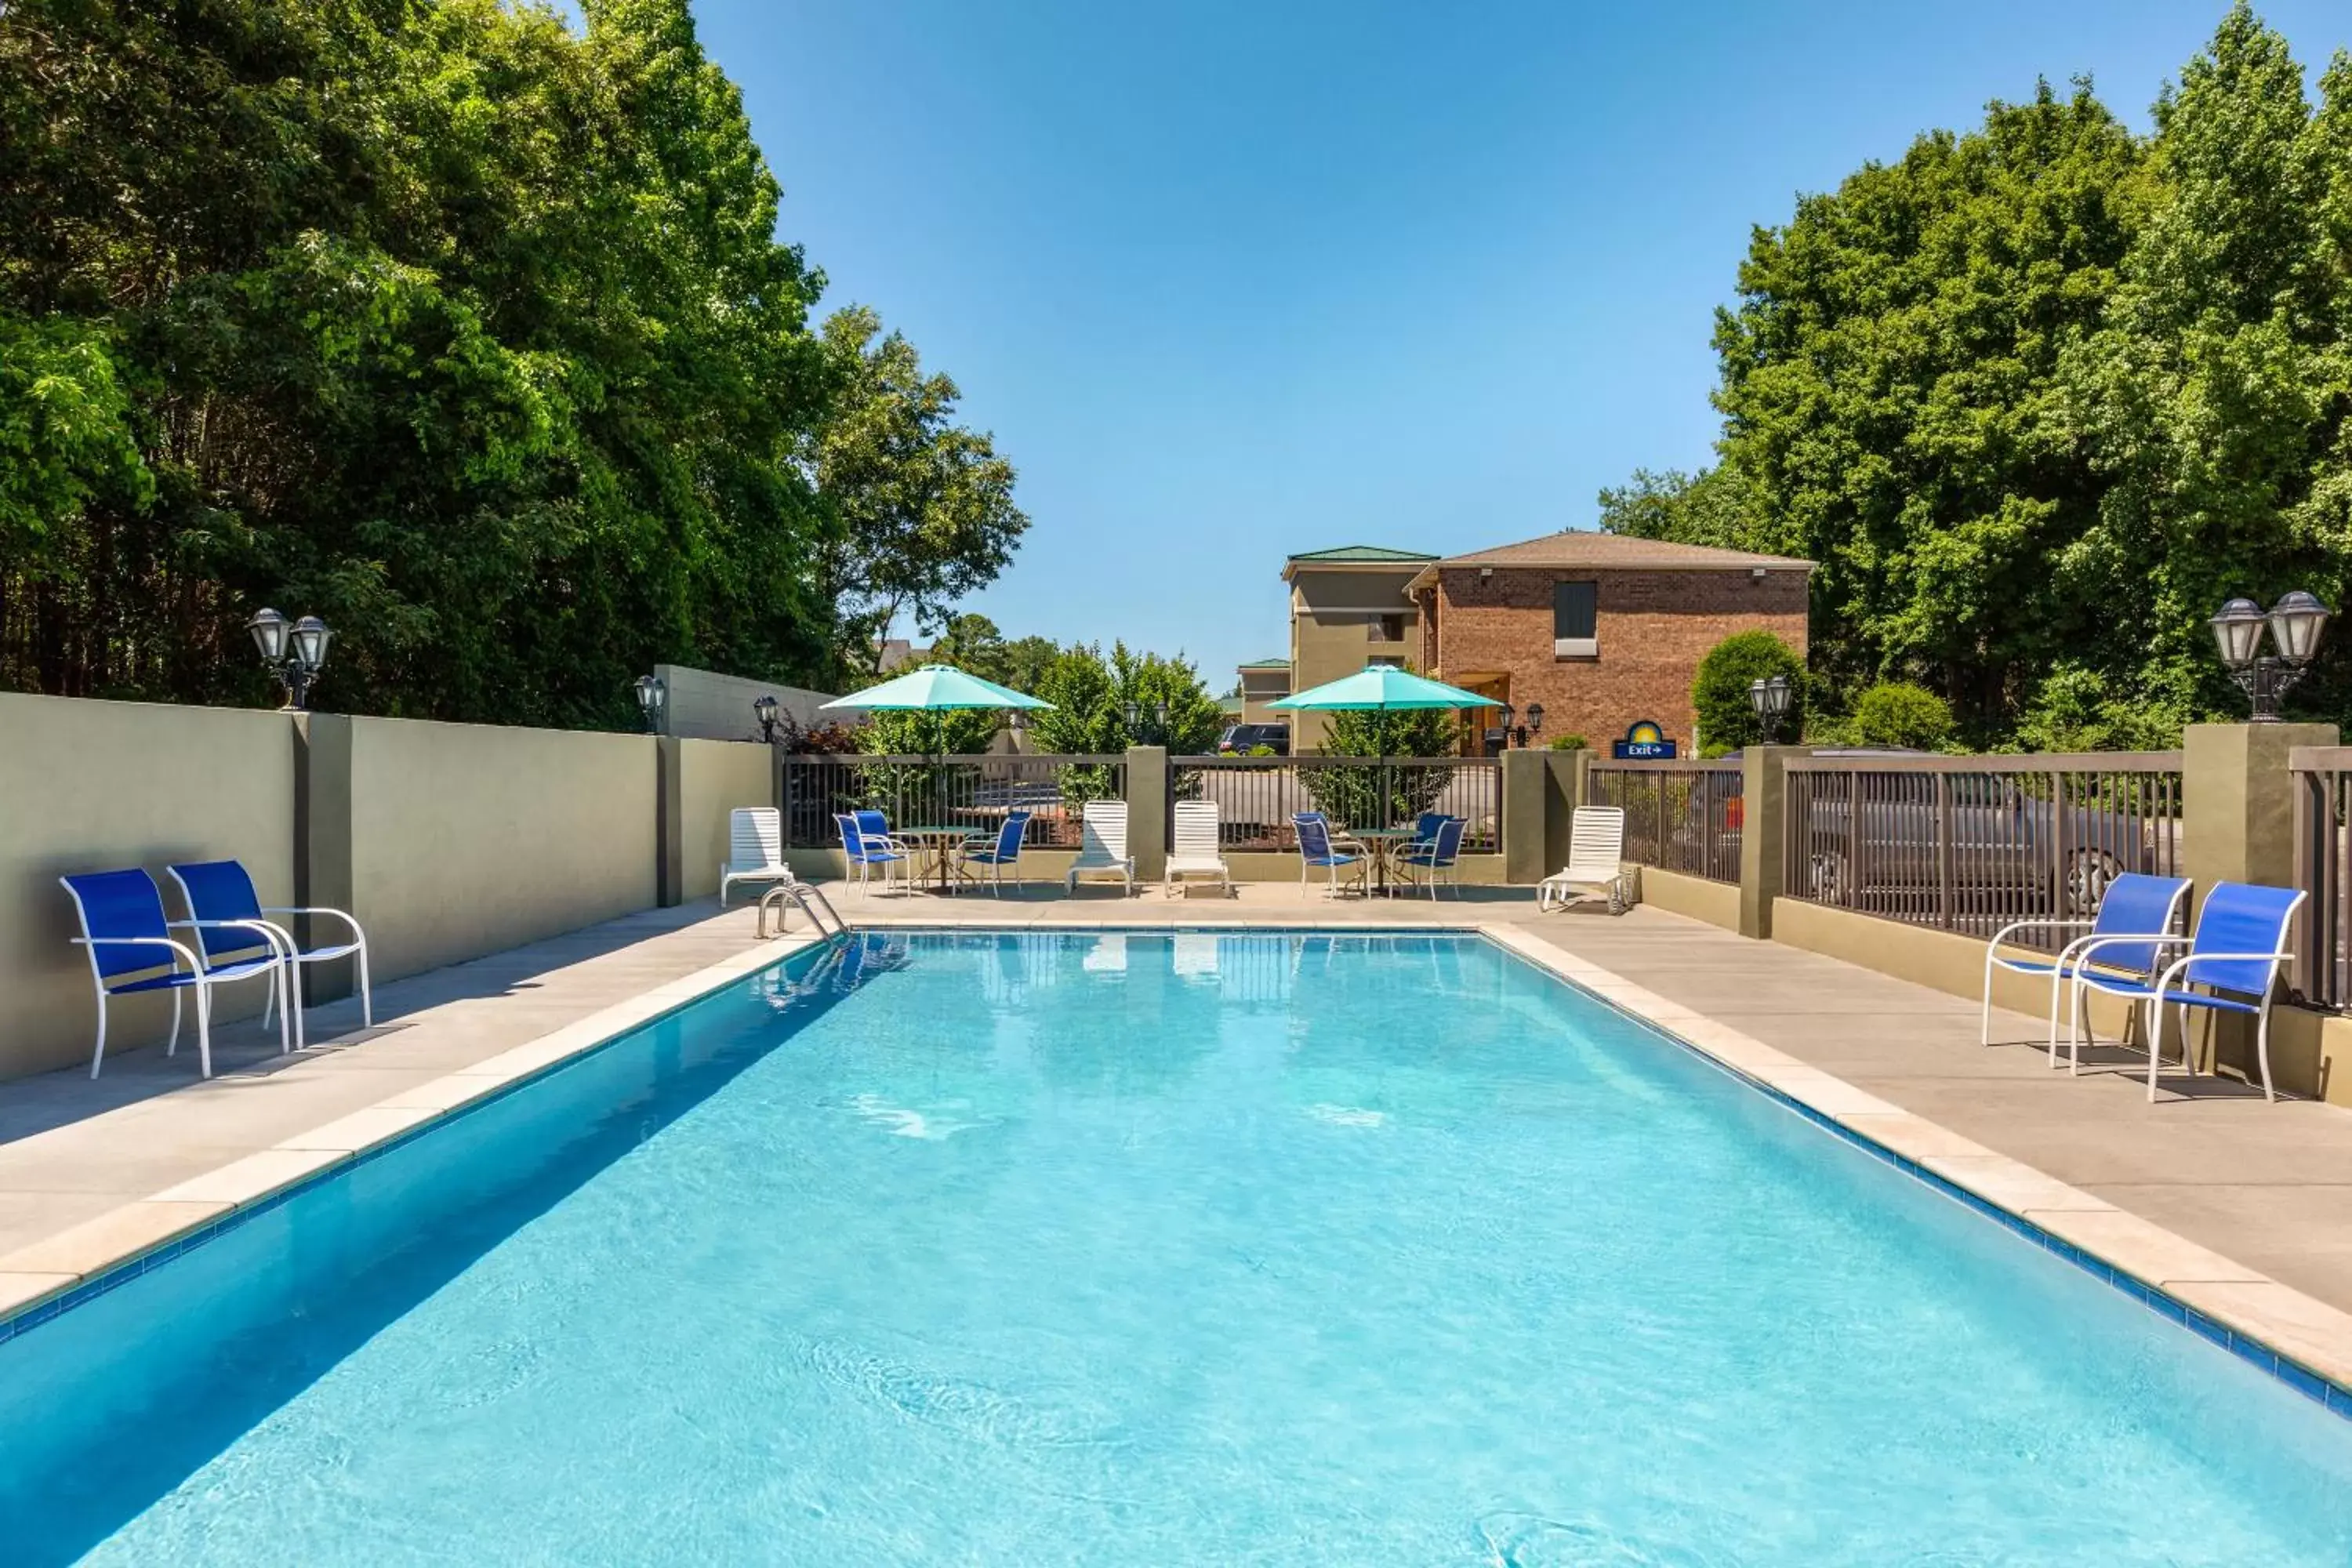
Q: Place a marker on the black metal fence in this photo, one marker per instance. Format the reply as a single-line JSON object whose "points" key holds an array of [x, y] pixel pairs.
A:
{"points": [[1257, 796], [1972, 844], [1680, 815], [944, 792]]}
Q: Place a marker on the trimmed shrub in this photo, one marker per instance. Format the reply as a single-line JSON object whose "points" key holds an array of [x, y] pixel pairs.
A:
{"points": [[1726, 720], [1569, 743], [1897, 714]]}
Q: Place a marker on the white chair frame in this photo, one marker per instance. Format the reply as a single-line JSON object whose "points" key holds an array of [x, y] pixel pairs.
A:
{"points": [[201, 980], [1196, 849], [755, 848]]}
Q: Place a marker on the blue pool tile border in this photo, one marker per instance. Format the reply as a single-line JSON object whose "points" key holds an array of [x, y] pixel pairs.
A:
{"points": [[2314, 1386]]}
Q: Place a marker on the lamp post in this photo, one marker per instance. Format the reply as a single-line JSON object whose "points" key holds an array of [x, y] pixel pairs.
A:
{"points": [[764, 710], [2295, 623], [295, 653], [1770, 696], [1158, 713], [651, 695]]}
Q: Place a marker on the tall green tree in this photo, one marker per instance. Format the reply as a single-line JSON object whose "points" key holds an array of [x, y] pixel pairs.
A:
{"points": [[463, 327], [2039, 397], [2213, 398], [920, 508]]}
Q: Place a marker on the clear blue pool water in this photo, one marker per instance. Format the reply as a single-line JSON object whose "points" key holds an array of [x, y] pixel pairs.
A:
{"points": [[1102, 1250]]}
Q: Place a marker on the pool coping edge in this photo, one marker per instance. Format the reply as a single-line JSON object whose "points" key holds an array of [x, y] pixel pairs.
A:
{"points": [[2296, 1338], [60, 1271]]}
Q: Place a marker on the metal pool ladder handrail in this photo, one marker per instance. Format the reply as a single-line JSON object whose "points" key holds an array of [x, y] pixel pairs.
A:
{"points": [[805, 897]]}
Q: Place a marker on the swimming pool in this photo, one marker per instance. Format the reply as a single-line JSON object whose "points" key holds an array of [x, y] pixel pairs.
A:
{"points": [[1087, 1248]]}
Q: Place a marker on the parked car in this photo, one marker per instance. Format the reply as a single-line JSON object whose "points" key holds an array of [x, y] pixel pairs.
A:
{"points": [[1241, 740]]}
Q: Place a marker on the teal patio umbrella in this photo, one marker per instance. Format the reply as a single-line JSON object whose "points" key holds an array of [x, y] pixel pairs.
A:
{"points": [[1380, 689], [936, 689], [1383, 686]]}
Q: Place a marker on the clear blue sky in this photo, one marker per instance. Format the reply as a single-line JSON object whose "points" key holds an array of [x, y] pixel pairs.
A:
{"points": [[1228, 280]]}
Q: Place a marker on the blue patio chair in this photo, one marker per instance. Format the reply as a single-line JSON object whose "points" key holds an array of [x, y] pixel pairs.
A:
{"points": [[995, 853], [231, 920], [2242, 935], [128, 938], [1316, 849], [2135, 905], [1438, 857], [866, 851]]}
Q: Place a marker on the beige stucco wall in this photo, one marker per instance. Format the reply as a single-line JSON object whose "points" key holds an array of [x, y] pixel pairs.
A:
{"points": [[714, 778], [1716, 903], [467, 838], [96, 786]]}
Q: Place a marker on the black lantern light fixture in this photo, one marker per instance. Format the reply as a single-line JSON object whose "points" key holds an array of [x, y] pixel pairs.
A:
{"points": [[651, 695], [1157, 715], [1770, 697], [2295, 624], [294, 652], [1535, 721], [764, 710]]}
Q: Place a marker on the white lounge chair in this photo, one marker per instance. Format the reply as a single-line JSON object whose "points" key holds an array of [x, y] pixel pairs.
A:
{"points": [[1596, 861], [1194, 853], [755, 850], [1102, 844]]}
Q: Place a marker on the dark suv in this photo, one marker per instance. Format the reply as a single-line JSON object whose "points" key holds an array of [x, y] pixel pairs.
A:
{"points": [[1241, 740]]}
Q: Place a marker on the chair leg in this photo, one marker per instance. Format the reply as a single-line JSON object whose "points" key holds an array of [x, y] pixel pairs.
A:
{"points": [[2155, 1014], [2262, 1050], [1984, 1014], [205, 1028], [2077, 1021], [367, 999], [173, 1046], [99, 1055]]}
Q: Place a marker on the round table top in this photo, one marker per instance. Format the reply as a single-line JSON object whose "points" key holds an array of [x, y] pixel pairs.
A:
{"points": [[932, 830], [1384, 832]]}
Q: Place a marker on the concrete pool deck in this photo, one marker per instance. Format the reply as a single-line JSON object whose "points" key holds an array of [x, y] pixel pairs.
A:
{"points": [[2232, 1205]]}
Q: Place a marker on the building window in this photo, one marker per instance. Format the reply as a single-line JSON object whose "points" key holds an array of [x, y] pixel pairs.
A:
{"points": [[1390, 659], [1388, 628], [1575, 615]]}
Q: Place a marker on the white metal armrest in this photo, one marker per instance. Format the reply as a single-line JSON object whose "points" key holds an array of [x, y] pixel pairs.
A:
{"points": [[356, 933], [2083, 947], [2180, 966], [2001, 935], [281, 942]]}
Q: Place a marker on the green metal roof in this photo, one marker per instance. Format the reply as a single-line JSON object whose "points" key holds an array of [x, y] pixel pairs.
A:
{"points": [[1370, 554], [1266, 664]]}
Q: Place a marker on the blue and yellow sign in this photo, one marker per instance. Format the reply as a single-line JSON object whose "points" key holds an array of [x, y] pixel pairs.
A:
{"points": [[1643, 741]]}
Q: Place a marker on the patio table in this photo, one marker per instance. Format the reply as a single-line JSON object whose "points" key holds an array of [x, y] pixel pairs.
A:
{"points": [[1382, 842], [935, 840]]}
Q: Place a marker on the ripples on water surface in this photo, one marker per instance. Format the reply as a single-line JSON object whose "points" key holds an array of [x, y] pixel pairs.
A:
{"points": [[1202, 1250]]}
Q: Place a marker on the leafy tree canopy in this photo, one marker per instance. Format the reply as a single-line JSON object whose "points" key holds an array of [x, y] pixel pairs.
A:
{"points": [[1726, 714], [461, 328], [2039, 396], [921, 509]]}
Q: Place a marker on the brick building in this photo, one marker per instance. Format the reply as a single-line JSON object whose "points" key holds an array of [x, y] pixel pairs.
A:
{"points": [[1605, 630]]}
